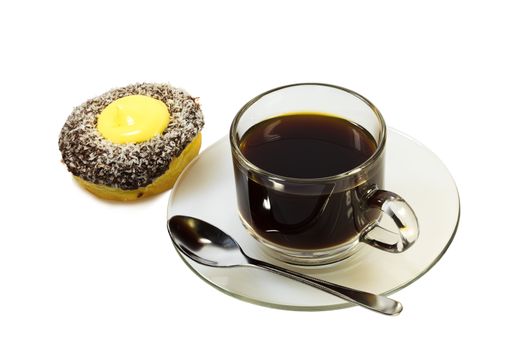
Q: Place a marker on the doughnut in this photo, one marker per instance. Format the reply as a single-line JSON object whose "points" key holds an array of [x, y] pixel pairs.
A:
{"points": [[132, 142]]}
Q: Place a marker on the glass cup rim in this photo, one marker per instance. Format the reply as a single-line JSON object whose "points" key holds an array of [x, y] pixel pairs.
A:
{"points": [[362, 167]]}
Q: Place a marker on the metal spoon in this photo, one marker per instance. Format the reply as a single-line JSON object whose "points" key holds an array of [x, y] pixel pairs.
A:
{"points": [[208, 245]]}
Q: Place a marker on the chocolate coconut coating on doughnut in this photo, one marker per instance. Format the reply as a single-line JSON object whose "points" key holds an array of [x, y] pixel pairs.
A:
{"points": [[88, 155]]}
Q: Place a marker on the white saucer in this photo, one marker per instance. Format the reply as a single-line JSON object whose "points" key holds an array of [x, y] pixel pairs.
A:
{"points": [[206, 190]]}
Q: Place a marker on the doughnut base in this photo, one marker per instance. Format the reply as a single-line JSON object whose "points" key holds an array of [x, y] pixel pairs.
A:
{"points": [[161, 184]]}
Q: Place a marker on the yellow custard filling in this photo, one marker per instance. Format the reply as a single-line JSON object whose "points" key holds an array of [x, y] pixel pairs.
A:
{"points": [[134, 118]]}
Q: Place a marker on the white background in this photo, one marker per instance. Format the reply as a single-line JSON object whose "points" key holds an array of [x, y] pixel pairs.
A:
{"points": [[80, 273]]}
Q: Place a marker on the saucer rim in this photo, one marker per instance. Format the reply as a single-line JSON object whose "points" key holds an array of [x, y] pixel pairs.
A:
{"points": [[343, 304]]}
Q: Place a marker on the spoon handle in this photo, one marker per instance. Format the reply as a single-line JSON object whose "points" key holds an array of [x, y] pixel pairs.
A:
{"points": [[371, 301]]}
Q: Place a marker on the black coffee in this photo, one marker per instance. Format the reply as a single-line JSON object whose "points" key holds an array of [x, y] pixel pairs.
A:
{"points": [[302, 146], [307, 145]]}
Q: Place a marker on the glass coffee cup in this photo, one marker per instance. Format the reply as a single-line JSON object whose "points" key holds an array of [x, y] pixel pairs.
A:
{"points": [[309, 171]]}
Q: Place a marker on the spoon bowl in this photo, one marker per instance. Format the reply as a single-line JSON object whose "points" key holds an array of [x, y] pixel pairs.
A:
{"points": [[205, 243]]}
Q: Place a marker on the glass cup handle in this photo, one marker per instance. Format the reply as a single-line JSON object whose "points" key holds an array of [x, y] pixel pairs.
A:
{"points": [[403, 216]]}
